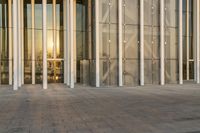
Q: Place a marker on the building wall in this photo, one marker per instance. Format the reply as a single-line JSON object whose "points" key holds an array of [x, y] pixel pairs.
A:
{"points": [[94, 42]]}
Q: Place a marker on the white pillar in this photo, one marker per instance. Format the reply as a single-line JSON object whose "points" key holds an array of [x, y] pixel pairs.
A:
{"points": [[65, 39], [72, 43], [10, 40], [180, 42], [75, 57], [44, 43], [33, 39], [68, 43], [187, 39], [54, 29], [19, 46], [120, 35], [22, 41], [196, 39], [15, 46], [162, 43], [141, 42], [97, 42]]}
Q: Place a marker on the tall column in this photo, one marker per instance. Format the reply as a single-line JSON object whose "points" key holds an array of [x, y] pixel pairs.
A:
{"points": [[180, 42], [196, 39], [65, 39], [68, 43], [120, 34], [54, 36], [33, 39], [72, 43], [141, 42], [187, 39], [15, 46], [97, 42], [162, 43], [44, 43], [19, 45], [22, 40], [10, 40]]}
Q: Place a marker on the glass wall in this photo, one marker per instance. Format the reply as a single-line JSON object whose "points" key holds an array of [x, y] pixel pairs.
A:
{"points": [[171, 41], [4, 44], [55, 44], [38, 41], [151, 41], [27, 42], [131, 42], [108, 42], [188, 47]]}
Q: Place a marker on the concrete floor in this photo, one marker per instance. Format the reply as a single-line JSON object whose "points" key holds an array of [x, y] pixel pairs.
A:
{"points": [[149, 109]]}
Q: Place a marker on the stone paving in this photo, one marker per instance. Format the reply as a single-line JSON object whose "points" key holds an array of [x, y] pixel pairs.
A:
{"points": [[149, 109]]}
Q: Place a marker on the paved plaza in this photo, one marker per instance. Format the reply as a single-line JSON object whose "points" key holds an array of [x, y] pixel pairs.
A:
{"points": [[149, 109]]}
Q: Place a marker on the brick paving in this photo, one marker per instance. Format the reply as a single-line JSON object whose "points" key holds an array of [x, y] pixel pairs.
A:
{"points": [[149, 109]]}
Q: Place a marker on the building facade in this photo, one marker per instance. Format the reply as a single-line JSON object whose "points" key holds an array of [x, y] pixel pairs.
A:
{"points": [[99, 42]]}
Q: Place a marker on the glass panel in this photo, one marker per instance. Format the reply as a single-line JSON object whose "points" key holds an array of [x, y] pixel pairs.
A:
{"points": [[27, 71], [59, 44], [171, 71], [131, 73], [38, 72], [49, 14], [59, 14], [4, 45], [55, 71], [104, 40], [104, 11], [38, 14], [131, 11], [50, 44], [38, 44], [27, 14], [148, 12]]}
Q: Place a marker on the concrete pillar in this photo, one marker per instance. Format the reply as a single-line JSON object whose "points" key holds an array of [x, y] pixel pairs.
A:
{"points": [[65, 40], [187, 39], [22, 40], [180, 37], [141, 42], [10, 41], [44, 43], [162, 42], [196, 39], [19, 45], [97, 42], [15, 46], [33, 39], [72, 43], [120, 42]]}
